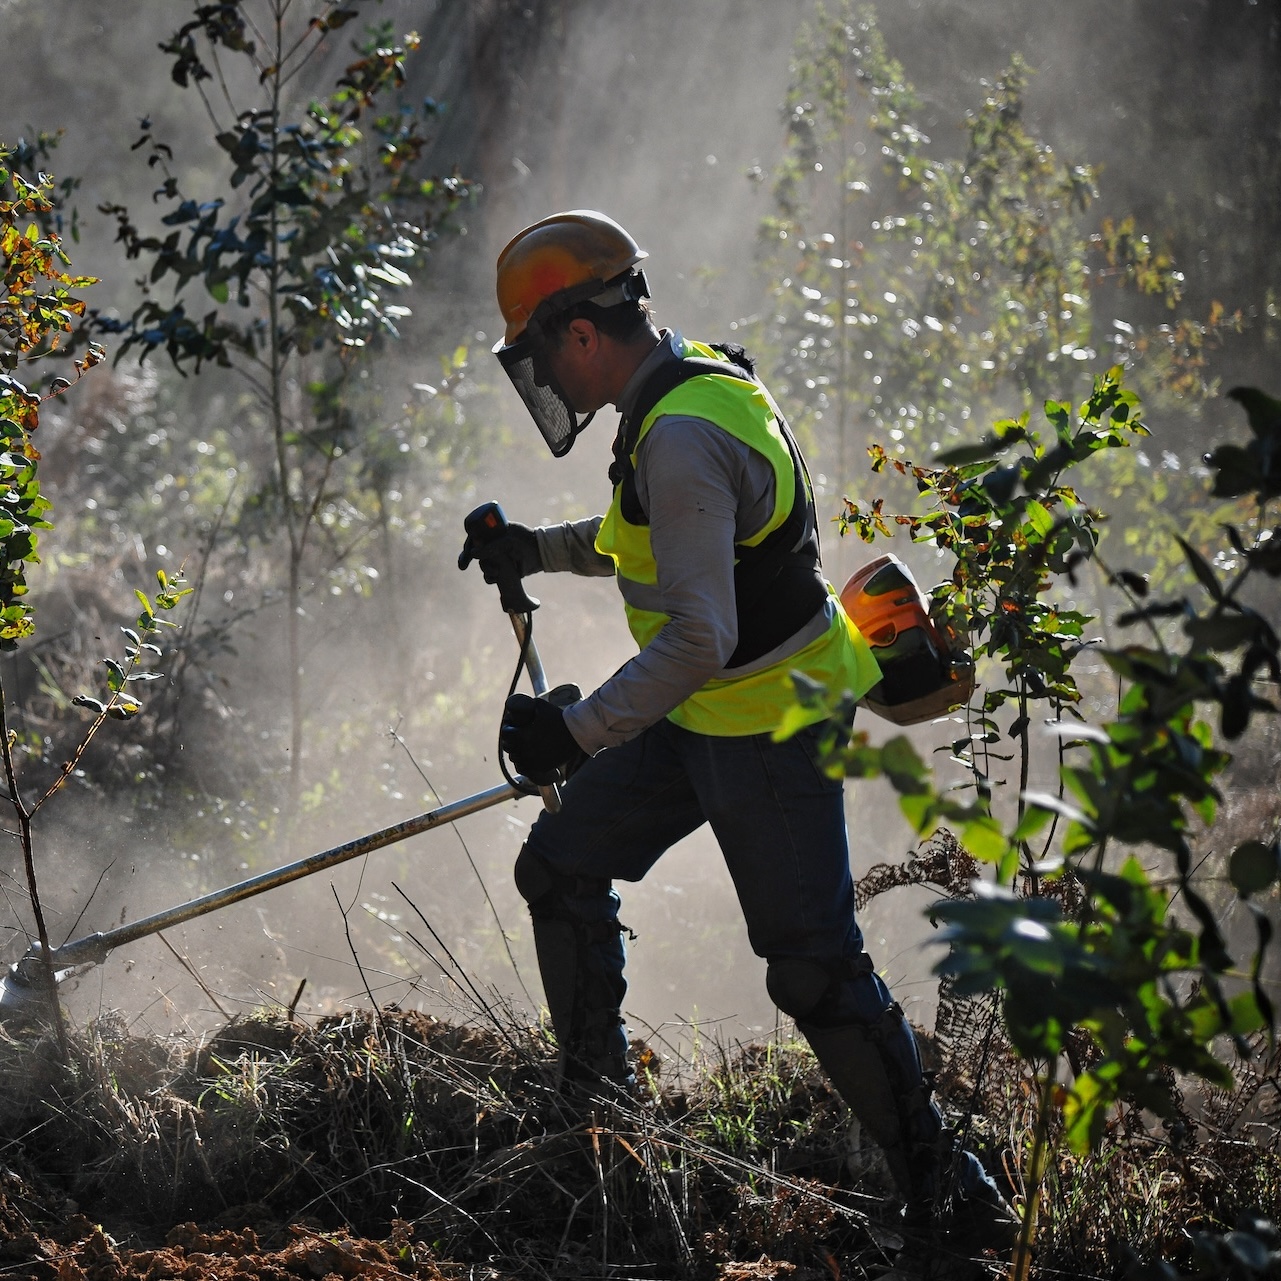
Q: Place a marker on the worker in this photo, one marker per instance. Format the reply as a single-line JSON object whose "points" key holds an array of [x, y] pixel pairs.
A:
{"points": [[711, 536]]}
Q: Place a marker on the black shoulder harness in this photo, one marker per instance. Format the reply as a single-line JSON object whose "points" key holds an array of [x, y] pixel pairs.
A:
{"points": [[778, 583]]}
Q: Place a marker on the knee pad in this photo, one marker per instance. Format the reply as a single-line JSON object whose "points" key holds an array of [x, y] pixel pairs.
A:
{"points": [[798, 986], [548, 892], [827, 991], [534, 878]]}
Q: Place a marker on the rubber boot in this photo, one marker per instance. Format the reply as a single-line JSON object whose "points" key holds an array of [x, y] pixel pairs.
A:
{"points": [[877, 1071], [979, 1217], [579, 943], [581, 969]]}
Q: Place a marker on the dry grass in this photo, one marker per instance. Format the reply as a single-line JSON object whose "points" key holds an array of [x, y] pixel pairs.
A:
{"points": [[451, 1143], [389, 1143], [449, 1138]]}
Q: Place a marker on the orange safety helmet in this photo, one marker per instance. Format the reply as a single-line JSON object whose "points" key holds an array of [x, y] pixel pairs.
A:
{"points": [[579, 256], [565, 259]]}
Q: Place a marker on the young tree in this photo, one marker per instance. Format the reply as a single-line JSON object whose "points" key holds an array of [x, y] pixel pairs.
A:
{"points": [[1105, 959], [39, 308], [303, 252], [914, 291]]}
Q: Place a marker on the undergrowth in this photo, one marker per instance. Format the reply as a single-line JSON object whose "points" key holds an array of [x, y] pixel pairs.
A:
{"points": [[390, 1143]]}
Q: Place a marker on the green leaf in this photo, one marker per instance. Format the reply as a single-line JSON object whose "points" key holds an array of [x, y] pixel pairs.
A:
{"points": [[1263, 411], [999, 485], [1060, 414], [1033, 820], [219, 290], [1253, 867], [1078, 837], [795, 719], [1222, 631], [919, 812], [1057, 805], [1008, 864], [1246, 1016], [1039, 518], [1084, 1113], [333, 20], [984, 839], [1200, 567], [1078, 731], [1033, 946], [985, 451], [904, 768], [1203, 1021]]}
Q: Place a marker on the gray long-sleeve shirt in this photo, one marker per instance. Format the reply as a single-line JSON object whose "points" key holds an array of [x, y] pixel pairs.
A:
{"points": [[703, 490]]}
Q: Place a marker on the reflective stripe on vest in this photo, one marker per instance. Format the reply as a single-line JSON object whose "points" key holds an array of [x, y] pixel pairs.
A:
{"points": [[752, 699]]}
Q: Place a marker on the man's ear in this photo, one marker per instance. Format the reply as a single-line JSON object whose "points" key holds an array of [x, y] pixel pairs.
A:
{"points": [[583, 334]]}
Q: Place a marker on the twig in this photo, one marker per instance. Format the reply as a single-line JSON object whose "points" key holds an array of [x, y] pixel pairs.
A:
{"points": [[191, 969], [183, 647], [360, 969], [480, 880], [483, 1004], [24, 816], [96, 886]]}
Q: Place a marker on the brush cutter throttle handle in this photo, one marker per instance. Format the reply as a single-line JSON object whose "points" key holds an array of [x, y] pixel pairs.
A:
{"points": [[487, 524]]}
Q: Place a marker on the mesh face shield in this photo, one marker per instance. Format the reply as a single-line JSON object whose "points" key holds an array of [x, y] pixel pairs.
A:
{"points": [[553, 415], [523, 360]]}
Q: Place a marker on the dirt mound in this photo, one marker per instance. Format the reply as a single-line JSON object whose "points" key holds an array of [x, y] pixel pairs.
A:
{"points": [[392, 1144], [395, 1144], [82, 1251]]}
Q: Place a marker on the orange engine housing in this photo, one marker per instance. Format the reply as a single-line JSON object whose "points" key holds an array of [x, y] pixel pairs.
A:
{"points": [[924, 673]]}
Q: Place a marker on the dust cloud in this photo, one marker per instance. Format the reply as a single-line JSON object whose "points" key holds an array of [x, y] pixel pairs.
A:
{"points": [[653, 113]]}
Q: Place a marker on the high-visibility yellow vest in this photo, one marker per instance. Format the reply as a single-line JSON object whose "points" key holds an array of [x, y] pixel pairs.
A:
{"points": [[755, 701]]}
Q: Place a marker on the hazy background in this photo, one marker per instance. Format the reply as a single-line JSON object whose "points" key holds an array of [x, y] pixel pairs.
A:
{"points": [[654, 113]]}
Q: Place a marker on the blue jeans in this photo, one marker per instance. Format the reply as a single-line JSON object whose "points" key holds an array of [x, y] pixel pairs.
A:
{"points": [[780, 823]]}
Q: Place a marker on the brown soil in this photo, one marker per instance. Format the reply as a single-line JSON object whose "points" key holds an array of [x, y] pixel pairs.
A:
{"points": [[82, 1251]]}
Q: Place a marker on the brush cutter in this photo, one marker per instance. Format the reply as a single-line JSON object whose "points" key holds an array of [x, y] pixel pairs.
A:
{"points": [[24, 990]]}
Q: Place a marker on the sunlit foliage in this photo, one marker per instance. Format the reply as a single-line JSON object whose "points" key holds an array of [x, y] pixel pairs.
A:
{"points": [[1083, 933], [304, 252], [915, 290]]}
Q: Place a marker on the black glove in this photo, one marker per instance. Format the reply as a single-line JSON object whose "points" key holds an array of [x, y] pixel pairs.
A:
{"points": [[535, 736], [516, 546]]}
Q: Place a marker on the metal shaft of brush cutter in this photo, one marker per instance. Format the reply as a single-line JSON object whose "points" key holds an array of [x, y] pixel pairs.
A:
{"points": [[25, 981]]}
